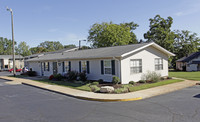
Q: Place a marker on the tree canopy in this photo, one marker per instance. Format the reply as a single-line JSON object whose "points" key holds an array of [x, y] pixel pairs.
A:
{"points": [[110, 34], [23, 49], [160, 32], [51, 45], [6, 46]]}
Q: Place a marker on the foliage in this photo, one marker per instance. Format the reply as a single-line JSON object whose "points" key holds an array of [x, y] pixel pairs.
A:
{"points": [[110, 34], [169, 77], [100, 81], [5, 46], [71, 75], [58, 77], [35, 50], [51, 45], [69, 46], [151, 77], [160, 32], [83, 76], [32, 73], [142, 81], [51, 77], [23, 49], [95, 88], [121, 90], [95, 83], [150, 85], [132, 82], [115, 80]]}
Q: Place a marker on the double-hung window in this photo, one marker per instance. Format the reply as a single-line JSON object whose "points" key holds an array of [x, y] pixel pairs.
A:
{"points": [[46, 66], [65, 66], [84, 66], [107, 67], [135, 66], [158, 64]]}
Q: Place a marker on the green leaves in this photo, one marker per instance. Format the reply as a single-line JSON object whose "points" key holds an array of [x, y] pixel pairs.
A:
{"points": [[23, 49], [109, 34]]}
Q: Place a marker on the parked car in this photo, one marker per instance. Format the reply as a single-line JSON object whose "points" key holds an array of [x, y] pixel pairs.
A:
{"points": [[17, 70], [25, 69]]}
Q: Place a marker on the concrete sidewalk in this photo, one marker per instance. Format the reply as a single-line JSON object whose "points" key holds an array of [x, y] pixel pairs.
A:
{"points": [[142, 94]]}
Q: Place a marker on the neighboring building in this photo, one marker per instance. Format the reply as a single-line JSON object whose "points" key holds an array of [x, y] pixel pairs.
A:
{"points": [[6, 62], [127, 62], [45, 53], [189, 63]]}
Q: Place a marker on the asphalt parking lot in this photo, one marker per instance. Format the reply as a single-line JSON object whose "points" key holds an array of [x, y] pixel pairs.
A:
{"points": [[20, 103]]}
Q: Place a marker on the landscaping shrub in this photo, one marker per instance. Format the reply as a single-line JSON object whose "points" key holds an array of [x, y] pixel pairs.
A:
{"points": [[100, 81], [95, 83], [121, 90], [32, 73], [132, 82], [83, 76], [95, 88], [58, 77], [162, 78], [115, 80], [169, 77], [51, 77], [71, 75], [142, 81], [151, 77]]}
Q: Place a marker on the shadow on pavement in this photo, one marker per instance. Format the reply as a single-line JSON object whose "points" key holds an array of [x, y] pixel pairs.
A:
{"points": [[197, 96]]}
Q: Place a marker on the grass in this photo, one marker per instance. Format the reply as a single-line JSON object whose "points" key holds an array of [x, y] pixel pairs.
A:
{"points": [[151, 85], [89, 86], [186, 75]]}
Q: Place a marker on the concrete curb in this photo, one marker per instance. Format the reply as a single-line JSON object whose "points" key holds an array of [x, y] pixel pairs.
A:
{"points": [[84, 98]]}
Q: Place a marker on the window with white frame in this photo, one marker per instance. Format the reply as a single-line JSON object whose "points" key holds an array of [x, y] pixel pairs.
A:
{"points": [[107, 67], [158, 64], [135, 66], [66, 66], [83, 66], [46, 65]]}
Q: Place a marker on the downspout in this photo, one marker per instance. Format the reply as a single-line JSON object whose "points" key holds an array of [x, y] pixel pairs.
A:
{"points": [[119, 67]]}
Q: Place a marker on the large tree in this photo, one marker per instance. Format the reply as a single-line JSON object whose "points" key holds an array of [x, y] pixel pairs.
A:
{"points": [[23, 49], [35, 50], [51, 45], [185, 43], [160, 32], [6, 46], [110, 34]]}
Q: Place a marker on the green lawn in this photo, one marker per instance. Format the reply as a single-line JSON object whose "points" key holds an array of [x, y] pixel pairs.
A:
{"points": [[186, 75], [146, 86]]}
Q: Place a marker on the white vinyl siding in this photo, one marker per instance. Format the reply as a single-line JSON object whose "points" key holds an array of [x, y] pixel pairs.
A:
{"points": [[135, 66]]}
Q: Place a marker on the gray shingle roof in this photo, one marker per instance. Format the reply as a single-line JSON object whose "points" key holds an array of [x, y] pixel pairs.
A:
{"points": [[106, 52], [189, 57], [58, 51]]}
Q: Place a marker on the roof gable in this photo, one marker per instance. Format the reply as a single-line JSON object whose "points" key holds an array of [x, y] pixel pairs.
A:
{"points": [[189, 57]]}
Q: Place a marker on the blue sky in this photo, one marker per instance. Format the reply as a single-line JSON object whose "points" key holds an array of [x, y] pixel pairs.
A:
{"points": [[68, 21]]}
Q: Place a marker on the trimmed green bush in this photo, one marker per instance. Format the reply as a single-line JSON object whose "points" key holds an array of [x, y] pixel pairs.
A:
{"points": [[95, 88], [141, 81], [151, 77], [95, 83], [82, 76], [132, 82], [32, 73], [58, 77], [100, 81], [71, 75], [115, 80]]}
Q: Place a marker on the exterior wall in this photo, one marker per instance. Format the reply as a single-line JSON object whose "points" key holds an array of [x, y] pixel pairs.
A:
{"points": [[95, 69], [148, 56], [191, 67], [179, 65]]}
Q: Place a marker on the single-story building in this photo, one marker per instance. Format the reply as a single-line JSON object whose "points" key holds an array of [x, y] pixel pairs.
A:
{"points": [[6, 62], [45, 53], [189, 63], [127, 62]]}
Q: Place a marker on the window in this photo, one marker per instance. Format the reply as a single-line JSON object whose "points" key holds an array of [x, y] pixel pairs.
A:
{"points": [[158, 64], [46, 66], [135, 66], [107, 67], [83, 66], [66, 66]]}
